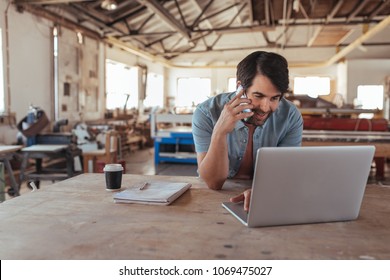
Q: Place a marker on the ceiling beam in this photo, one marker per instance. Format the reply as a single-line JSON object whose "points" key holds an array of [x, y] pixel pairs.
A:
{"points": [[155, 7], [267, 12], [250, 11], [128, 14], [81, 11], [329, 17], [180, 13], [317, 31], [238, 30], [238, 12], [359, 41], [149, 34], [220, 11], [196, 21], [136, 51], [334, 11], [42, 2], [379, 8], [38, 11], [303, 11], [201, 13], [254, 47], [357, 10], [85, 16]]}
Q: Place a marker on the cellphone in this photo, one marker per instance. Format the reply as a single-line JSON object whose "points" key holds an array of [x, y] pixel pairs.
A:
{"points": [[240, 87]]}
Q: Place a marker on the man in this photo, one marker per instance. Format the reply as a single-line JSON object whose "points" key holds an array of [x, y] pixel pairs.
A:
{"points": [[226, 138]]}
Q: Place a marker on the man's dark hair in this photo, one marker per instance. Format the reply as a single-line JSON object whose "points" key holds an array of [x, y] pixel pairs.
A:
{"points": [[269, 64]]}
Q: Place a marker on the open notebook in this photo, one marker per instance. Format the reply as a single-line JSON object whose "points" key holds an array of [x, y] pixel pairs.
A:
{"points": [[298, 185], [157, 193]]}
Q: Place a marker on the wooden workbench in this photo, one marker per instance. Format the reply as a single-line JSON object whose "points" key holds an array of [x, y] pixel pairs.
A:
{"points": [[77, 219], [49, 151], [6, 153], [381, 140]]}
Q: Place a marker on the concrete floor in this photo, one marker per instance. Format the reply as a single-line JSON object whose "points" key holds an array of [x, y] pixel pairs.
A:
{"points": [[142, 162]]}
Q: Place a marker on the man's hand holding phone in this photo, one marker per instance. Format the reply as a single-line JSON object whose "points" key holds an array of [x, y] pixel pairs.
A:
{"points": [[242, 94], [233, 112]]}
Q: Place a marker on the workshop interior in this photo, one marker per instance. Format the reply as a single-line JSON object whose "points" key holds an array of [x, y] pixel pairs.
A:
{"points": [[72, 72]]}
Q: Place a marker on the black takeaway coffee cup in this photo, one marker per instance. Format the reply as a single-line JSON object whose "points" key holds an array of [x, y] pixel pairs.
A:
{"points": [[113, 173]]}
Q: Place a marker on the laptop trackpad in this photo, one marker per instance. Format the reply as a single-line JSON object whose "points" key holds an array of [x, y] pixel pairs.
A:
{"points": [[237, 209]]}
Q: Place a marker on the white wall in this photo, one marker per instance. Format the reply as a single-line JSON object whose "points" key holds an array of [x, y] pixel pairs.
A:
{"points": [[329, 71], [342, 80], [29, 61], [3, 7], [31, 65], [81, 66], [366, 72]]}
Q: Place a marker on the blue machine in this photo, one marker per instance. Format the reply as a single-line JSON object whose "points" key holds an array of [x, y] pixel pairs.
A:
{"points": [[175, 143], [177, 139]]}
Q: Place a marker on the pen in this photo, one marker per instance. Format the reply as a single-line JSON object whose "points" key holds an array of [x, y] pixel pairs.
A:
{"points": [[144, 185]]}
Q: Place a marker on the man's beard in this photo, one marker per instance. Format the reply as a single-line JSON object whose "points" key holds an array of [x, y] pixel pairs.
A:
{"points": [[259, 118]]}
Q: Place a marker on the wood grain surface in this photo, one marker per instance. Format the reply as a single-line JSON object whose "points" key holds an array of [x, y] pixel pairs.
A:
{"points": [[77, 219]]}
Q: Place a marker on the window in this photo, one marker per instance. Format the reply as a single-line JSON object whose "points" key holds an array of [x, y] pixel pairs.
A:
{"points": [[2, 101], [154, 91], [192, 91], [121, 85], [56, 70], [312, 86], [232, 84], [370, 97]]}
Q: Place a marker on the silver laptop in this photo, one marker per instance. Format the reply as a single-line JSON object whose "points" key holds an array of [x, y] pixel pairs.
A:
{"points": [[298, 185]]}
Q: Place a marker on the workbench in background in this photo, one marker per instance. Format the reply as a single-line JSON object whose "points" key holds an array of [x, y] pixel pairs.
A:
{"points": [[6, 154], [66, 153], [381, 141]]}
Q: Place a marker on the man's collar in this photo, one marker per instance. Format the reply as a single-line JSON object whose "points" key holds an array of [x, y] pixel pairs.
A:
{"points": [[239, 125]]}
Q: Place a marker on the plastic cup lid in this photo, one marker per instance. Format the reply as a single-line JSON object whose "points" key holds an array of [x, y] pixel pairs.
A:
{"points": [[113, 167]]}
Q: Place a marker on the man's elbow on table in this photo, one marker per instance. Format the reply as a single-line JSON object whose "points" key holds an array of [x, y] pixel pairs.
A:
{"points": [[214, 178], [212, 183], [215, 186]]}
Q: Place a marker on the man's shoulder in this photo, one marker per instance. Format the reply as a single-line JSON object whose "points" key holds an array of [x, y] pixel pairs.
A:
{"points": [[216, 102], [287, 105], [287, 102], [287, 113]]}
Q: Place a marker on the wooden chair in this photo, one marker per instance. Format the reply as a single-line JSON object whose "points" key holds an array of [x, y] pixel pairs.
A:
{"points": [[107, 155]]}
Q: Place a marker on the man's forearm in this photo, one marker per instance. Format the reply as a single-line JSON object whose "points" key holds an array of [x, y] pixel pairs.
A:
{"points": [[214, 167]]}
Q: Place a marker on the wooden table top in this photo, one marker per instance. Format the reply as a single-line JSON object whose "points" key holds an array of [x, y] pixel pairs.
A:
{"points": [[77, 219], [45, 148], [4, 149]]}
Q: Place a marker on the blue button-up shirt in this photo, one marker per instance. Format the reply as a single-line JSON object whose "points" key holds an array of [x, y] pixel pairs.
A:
{"points": [[283, 128]]}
